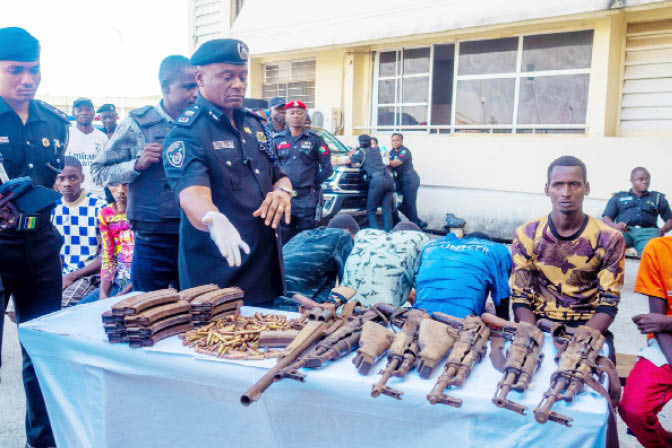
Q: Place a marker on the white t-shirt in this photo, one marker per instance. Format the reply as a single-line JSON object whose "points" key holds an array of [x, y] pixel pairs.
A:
{"points": [[85, 147]]}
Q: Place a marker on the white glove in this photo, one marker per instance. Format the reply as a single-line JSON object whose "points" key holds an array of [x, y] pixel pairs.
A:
{"points": [[226, 237]]}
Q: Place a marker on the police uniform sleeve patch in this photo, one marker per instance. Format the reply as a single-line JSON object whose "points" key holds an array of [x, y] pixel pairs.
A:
{"points": [[175, 154], [324, 150]]}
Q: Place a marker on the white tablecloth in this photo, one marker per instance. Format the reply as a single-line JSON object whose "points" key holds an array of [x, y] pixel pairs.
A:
{"points": [[108, 395]]}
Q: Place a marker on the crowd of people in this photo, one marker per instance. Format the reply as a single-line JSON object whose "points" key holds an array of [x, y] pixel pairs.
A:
{"points": [[196, 190]]}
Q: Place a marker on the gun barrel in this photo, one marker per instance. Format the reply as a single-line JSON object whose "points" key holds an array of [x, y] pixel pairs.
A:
{"points": [[387, 373], [543, 411], [254, 392]]}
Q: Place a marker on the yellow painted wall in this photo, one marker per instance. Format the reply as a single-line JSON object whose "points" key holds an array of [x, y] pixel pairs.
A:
{"points": [[460, 172]]}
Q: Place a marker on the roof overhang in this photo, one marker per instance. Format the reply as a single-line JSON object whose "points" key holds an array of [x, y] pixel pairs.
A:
{"points": [[272, 27]]}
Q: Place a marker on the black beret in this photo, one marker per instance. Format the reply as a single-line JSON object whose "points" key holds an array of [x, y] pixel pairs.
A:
{"points": [[82, 102], [16, 44], [222, 51], [365, 139], [106, 108]]}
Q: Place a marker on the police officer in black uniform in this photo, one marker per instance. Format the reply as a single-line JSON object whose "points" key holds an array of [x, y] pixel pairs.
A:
{"points": [[407, 179], [305, 157], [635, 212], [33, 137], [381, 184], [221, 163]]}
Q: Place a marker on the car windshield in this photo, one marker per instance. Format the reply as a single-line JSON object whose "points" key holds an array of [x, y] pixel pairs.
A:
{"points": [[336, 147]]}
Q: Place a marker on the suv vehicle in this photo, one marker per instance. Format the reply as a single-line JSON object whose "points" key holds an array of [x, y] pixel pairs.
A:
{"points": [[346, 189]]}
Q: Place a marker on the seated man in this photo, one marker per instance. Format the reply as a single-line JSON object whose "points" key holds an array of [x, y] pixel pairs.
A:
{"points": [[635, 212], [382, 266], [118, 242], [567, 266], [457, 274], [75, 217], [314, 260], [648, 385]]}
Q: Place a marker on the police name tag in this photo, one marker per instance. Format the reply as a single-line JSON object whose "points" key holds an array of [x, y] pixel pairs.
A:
{"points": [[4, 139], [625, 198], [223, 144], [305, 145]]}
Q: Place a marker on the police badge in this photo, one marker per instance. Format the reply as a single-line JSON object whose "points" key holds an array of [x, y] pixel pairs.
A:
{"points": [[175, 154]]}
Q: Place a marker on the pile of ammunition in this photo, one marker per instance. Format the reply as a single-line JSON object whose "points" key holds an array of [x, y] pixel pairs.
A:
{"points": [[237, 337], [145, 319], [208, 302]]}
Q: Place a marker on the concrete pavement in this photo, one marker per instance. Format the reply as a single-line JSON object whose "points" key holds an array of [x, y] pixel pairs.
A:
{"points": [[12, 404], [12, 401]]}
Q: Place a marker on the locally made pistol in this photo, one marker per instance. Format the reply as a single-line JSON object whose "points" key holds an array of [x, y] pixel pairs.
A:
{"points": [[523, 358], [402, 354], [469, 348]]}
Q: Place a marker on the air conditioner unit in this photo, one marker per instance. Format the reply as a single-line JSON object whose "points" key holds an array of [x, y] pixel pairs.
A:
{"points": [[325, 118]]}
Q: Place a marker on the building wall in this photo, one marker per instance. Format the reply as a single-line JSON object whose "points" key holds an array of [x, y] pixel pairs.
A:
{"points": [[496, 181]]}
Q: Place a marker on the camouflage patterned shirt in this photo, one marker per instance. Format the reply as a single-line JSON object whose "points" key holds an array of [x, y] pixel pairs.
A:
{"points": [[115, 164], [567, 278], [314, 259], [382, 266]]}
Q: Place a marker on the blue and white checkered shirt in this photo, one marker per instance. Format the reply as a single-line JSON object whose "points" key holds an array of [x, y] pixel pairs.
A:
{"points": [[78, 224]]}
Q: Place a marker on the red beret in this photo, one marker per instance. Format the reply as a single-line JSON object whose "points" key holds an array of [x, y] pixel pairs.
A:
{"points": [[295, 103]]}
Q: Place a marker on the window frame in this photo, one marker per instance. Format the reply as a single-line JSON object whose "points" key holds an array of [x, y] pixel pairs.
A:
{"points": [[454, 128], [290, 79], [399, 77]]}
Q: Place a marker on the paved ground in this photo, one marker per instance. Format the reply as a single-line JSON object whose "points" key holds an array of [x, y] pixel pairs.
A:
{"points": [[12, 405]]}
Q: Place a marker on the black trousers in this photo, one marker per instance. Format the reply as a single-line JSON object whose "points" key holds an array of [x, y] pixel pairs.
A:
{"points": [[30, 268], [304, 208], [408, 185], [381, 193], [154, 264]]}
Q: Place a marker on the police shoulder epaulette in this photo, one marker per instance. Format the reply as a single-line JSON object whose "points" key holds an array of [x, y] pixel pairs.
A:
{"points": [[248, 112], [188, 116], [49, 108]]}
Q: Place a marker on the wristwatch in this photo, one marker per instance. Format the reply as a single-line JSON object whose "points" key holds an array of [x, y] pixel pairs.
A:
{"points": [[287, 190]]}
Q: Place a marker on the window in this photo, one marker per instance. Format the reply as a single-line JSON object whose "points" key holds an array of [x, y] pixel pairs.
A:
{"points": [[403, 88], [291, 80], [525, 84]]}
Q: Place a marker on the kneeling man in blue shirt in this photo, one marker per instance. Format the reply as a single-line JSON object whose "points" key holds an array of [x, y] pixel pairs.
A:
{"points": [[457, 274]]}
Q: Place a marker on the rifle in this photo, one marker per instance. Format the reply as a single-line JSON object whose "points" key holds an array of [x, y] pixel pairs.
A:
{"points": [[523, 358], [469, 348], [402, 354], [340, 334], [320, 322], [578, 363], [334, 346]]}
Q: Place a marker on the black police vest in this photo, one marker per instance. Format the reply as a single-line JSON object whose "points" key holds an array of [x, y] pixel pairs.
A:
{"points": [[150, 198], [373, 163]]}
